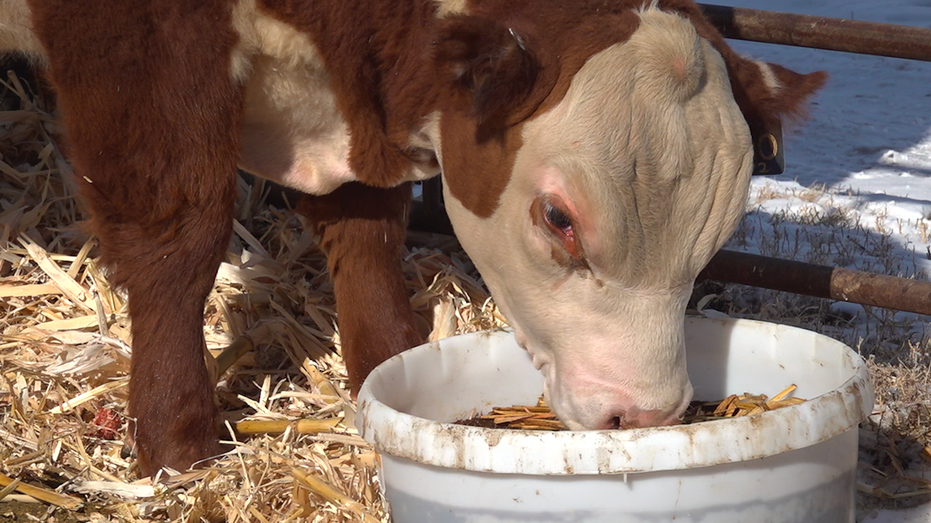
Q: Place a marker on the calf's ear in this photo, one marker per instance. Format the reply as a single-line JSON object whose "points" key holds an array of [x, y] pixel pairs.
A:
{"points": [[783, 92], [768, 96], [490, 69]]}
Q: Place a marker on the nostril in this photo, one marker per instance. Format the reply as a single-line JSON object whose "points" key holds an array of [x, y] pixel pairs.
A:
{"points": [[635, 418]]}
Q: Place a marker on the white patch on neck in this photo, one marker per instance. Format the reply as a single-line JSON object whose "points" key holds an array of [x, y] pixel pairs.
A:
{"points": [[293, 132]]}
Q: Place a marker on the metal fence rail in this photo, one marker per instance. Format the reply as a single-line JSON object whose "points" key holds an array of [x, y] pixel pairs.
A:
{"points": [[820, 281], [834, 34]]}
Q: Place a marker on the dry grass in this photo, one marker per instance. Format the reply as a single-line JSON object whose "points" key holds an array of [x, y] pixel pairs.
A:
{"points": [[65, 349]]}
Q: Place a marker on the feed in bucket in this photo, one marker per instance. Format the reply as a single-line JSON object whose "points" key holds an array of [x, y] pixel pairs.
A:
{"points": [[541, 417]]}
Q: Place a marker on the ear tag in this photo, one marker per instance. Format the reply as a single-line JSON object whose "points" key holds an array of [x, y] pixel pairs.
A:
{"points": [[768, 157]]}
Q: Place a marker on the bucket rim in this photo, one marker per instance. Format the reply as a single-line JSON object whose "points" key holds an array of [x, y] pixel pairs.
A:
{"points": [[596, 452]]}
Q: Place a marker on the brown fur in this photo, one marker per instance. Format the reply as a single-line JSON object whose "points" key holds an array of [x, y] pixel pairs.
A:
{"points": [[494, 82], [158, 179], [479, 172], [362, 230], [491, 67]]}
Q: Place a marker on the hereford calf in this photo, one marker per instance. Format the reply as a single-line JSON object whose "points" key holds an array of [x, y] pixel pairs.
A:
{"points": [[595, 154]]}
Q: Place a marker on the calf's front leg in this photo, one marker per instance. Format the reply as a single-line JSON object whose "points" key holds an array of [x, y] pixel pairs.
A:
{"points": [[362, 231], [151, 113]]}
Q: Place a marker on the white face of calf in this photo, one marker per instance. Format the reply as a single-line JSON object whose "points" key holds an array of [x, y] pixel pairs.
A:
{"points": [[619, 195]]}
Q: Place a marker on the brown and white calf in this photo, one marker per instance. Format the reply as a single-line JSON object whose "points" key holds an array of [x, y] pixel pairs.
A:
{"points": [[595, 154]]}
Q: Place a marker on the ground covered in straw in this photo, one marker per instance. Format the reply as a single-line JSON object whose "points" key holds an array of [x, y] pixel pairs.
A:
{"points": [[65, 346]]}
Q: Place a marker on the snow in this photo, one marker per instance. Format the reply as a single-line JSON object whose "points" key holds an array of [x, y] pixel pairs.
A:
{"points": [[867, 139], [869, 129]]}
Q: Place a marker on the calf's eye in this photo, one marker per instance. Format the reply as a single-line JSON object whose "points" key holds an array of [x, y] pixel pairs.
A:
{"points": [[551, 214], [556, 218]]}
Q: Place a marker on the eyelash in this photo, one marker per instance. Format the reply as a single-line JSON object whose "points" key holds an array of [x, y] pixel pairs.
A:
{"points": [[556, 218], [559, 223]]}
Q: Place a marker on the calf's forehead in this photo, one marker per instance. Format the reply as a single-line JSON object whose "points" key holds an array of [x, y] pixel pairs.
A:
{"points": [[627, 88], [649, 136]]}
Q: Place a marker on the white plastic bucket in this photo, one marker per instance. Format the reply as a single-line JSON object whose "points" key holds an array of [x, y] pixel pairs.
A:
{"points": [[795, 464]]}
